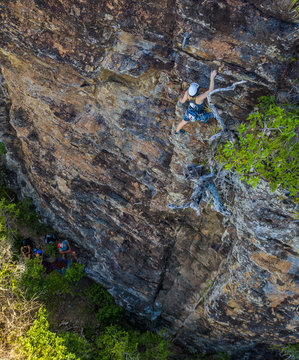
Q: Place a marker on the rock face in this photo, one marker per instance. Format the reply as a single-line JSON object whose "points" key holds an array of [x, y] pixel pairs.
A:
{"points": [[93, 89]]}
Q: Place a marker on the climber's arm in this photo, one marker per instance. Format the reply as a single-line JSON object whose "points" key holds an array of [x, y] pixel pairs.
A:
{"points": [[200, 98], [184, 98]]}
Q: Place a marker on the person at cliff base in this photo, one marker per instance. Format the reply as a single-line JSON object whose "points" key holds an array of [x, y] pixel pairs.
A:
{"points": [[38, 253], [26, 246], [64, 248], [196, 110]]}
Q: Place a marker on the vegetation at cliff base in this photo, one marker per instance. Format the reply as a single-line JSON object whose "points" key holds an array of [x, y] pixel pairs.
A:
{"points": [[267, 147], [29, 297]]}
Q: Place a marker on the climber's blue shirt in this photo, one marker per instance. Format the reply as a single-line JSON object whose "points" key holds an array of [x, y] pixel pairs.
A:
{"points": [[196, 112], [64, 246]]}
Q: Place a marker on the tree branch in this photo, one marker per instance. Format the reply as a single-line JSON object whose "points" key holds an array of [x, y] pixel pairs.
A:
{"points": [[215, 111]]}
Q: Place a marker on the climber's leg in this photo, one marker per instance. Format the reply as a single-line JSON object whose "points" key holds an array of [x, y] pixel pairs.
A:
{"points": [[181, 124]]}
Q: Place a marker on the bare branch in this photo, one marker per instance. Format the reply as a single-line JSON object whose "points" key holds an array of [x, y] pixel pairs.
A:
{"points": [[202, 184], [216, 113]]}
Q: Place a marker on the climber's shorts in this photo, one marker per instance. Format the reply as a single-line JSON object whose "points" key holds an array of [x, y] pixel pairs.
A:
{"points": [[192, 116]]}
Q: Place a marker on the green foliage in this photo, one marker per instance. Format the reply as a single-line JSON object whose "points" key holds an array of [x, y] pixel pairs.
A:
{"points": [[116, 344], [2, 149], [35, 282], [42, 344], [268, 147], [28, 216], [107, 312], [98, 295], [77, 344], [290, 351], [33, 278], [14, 211], [51, 250], [56, 284], [74, 273], [155, 347], [8, 213]]}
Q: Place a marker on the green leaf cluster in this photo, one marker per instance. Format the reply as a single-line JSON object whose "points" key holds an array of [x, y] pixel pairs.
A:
{"points": [[42, 344], [118, 344], [36, 282], [51, 250], [107, 312], [13, 211], [268, 147]]}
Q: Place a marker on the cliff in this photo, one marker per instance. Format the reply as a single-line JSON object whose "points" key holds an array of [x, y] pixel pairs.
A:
{"points": [[89, 105]]}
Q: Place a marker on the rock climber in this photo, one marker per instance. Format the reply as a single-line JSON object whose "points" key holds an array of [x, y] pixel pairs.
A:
{"points": [[64, 248], [196, 109]]}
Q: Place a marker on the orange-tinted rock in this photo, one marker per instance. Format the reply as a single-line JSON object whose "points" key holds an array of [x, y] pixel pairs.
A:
{"points": [[90, 138]]}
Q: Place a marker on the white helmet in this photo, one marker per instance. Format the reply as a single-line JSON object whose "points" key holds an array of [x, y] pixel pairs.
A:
{"points": [[193, 89]]}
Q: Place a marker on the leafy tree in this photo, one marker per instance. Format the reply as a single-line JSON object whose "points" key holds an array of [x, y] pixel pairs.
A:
{"points": [[116, 344], [268, 147]]}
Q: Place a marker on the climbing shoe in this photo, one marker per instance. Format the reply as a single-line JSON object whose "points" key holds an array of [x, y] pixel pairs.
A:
{"points": [[181, 131]]}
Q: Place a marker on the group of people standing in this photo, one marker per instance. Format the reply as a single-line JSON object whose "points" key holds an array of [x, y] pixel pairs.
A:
{"points": [[28, 251]]}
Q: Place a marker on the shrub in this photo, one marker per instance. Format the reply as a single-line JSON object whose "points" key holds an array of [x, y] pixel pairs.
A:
{"points": [[107, 311], [290, 351], [51, 250], [74, 273], [268, 147], [2, 149], [35, 282], [155, 347], [77, 344], [42, 344], [16, 313], [116, 344], [98, 295], [56, 284], [28, 216], [13, 210], [8, 214], [109, 314], [33, 278]]}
